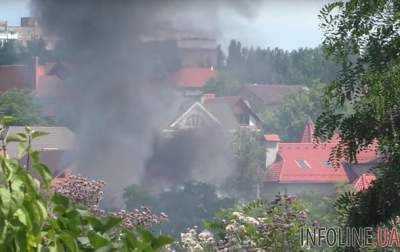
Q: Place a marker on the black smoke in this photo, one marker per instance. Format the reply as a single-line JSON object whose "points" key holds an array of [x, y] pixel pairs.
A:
{"points": [[118, 99]]}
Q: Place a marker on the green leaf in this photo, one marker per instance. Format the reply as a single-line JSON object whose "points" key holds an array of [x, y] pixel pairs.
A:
{"points": [[5, 197], [161, 241], [22, 148], [60, 200], [41, 209], [97, 240], [15, 138], [69, 242], [21, 216], [7, 168], [44, 173], [37, 134], [111, 222]]}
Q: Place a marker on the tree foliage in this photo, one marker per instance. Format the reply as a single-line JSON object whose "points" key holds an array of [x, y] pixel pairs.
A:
{"points": [[22, 106], [186, 205], [288, 120], [14, 52], [249, 153], [225, 84], [363, 36], [277, 66]]}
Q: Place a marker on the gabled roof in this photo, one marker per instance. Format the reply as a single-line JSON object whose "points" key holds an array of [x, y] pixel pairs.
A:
{"points": [[196, 108], [226, 109], [287, 169], [224, 114], [272, 94], [305, 163], [364, 182], [193, 77]]}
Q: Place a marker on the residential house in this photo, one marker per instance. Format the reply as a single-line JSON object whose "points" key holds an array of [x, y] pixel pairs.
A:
{"points": [[56, 149], [305, 166], [261, 96], [227, 113]]}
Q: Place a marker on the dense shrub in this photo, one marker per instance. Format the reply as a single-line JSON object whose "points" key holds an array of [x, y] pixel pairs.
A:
{"points": [[33, 218], [258, 225]]}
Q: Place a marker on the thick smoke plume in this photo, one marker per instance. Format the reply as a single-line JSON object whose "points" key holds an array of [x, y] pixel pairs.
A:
{"points": [[118, 99]]}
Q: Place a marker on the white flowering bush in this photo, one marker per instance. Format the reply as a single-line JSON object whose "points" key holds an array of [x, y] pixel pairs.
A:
{"points": [[193, 241], [259, 225]]}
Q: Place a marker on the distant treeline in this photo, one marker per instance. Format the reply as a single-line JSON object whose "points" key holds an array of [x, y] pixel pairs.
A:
{"points": [[277, 66]]}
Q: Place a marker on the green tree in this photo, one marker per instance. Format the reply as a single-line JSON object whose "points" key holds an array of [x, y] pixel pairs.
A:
{"points": [[225, 84], [289, 119], [136, 196], [186, 205], [248, 148], [363, 37], [12, 52], [22, 106], [278, 66]]}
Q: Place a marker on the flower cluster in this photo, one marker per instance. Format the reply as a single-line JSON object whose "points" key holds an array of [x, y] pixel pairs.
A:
{"points": [[194, 241], [255, 226], [89, 193], [80, 189], [143, 218]]}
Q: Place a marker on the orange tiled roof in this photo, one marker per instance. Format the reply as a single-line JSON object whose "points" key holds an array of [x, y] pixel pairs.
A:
{"points": [[193, 77]]}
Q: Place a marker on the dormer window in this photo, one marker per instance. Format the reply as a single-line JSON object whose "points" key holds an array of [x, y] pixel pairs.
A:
{"points": [[303, 164], [327, 164]]}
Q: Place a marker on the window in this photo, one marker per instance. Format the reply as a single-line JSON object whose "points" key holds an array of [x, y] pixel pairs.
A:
{"points": [[194, 121], [303, 164], [327, 164], [244, 119]]}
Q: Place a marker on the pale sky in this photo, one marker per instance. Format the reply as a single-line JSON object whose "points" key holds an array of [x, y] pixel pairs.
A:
{"points": [[288, 24]]}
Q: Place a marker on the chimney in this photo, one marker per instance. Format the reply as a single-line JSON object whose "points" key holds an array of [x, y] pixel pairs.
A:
{"points": [[35, 72], [271, 149], [206, 97]]}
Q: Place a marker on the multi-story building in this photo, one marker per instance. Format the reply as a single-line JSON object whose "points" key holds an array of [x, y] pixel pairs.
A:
{"points": [[27, 31]]}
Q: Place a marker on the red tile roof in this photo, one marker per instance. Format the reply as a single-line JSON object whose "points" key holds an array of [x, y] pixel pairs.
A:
{"points": [[305, 163], [315, 168], [308, 133], [364, 182], [193, 77]]}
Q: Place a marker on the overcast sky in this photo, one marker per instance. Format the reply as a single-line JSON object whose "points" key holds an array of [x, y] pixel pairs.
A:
{"points": [[288, 24]]}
